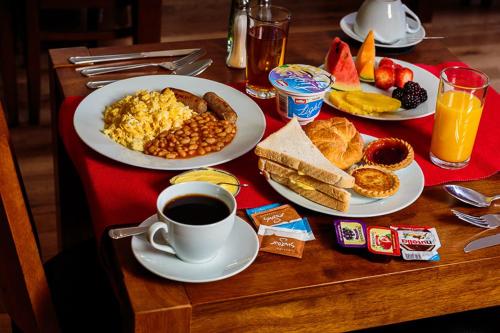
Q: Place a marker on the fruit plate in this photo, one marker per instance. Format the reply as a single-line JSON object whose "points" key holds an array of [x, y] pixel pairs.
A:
{"points": [[411, 185], [424, 78]]}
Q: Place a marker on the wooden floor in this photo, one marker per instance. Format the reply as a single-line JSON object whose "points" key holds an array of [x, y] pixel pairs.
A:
{"points": [[471, 32]]}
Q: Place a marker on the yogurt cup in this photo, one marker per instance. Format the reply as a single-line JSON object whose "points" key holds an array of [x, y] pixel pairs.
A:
{"points": [[300, 90]]}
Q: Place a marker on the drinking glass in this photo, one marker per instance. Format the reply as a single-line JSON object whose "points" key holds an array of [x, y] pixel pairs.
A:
{"points": [[460, 102], [266, 42]]}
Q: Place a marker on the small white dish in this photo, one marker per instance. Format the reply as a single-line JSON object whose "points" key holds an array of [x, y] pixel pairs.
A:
{"points": [[347, 26], [411, 186], [238, 253]]}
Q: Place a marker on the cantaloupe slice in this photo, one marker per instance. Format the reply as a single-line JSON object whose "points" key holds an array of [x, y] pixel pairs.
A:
{"points": [[365, 60]]}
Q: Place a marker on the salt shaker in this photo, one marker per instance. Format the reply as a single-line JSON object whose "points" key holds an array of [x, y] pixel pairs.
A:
{"points": [[237, 55]]}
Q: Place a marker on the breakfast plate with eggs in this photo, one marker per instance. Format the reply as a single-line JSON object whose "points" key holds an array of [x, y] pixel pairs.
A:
{"points": [[139, 122]]}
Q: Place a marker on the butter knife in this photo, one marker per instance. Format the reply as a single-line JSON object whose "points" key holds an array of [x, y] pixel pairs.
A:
{"points": [[192, 69], [482, 243], [126, 56]]}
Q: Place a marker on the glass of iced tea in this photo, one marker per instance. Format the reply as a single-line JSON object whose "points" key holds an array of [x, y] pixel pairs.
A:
{"points": [[460, 102], [266, 42]]}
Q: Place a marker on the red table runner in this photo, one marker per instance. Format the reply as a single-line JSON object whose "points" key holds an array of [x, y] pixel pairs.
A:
{"points": [[121, 194]]}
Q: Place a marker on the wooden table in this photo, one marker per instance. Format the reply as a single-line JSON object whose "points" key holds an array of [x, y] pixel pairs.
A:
{"points": [[327, 290]]}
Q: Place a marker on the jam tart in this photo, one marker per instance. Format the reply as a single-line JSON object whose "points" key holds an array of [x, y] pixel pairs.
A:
{"points": [[389, 153], [374, 181]]}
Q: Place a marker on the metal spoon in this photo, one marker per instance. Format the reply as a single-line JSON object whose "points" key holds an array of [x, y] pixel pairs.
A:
{"points": [[470, 196]]}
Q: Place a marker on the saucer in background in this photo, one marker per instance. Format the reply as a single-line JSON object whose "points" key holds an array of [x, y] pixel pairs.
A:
{"points": [[347, 26]]}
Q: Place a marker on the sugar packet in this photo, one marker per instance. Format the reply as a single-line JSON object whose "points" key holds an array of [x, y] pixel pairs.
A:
{"points": [[282, 216], [281, 241]]}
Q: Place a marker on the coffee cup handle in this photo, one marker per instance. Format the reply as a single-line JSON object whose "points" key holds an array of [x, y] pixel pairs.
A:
{"points": [[415, 17], [153, 228]]}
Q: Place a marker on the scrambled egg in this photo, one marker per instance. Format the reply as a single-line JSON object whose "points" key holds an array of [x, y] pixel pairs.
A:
{"points": [[134, 120]]}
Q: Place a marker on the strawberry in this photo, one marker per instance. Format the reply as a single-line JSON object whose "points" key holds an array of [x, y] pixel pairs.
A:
{"points": [[396, 66], [403, 75], [386, 62], [384, 77]]}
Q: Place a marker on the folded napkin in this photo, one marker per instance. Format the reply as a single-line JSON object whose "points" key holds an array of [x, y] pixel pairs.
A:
{"points": [[121, 194]]}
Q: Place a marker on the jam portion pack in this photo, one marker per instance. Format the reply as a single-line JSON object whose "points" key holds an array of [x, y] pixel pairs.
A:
{"points": [[383, 240], [410, 242], [350, 233]]}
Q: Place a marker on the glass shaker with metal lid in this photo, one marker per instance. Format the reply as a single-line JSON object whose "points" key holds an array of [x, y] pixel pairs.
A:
{"points": [[236, 41]]}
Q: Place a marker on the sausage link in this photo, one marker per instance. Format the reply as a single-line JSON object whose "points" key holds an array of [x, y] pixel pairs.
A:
{"points": [[220, 107], [195, 103]]}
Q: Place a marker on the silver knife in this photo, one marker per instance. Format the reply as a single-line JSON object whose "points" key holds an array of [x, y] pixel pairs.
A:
{"points": [[483, 242], [125, 56], [192, 69]]}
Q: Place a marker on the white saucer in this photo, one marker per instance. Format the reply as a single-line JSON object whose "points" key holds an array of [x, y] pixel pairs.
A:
{"points": [[347, 23], [237, 254]]}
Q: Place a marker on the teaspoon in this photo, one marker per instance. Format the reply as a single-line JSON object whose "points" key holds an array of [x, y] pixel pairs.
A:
{"points": [[470, 196]]}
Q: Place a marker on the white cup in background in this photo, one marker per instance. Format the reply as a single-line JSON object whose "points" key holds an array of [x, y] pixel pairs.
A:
{"points": [[192, 242], [387, 19]]}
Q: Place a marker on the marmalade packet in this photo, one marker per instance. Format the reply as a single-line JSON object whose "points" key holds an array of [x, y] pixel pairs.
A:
{"points": [[418, 242], [281, 216], [350, 233], [281, 241]]}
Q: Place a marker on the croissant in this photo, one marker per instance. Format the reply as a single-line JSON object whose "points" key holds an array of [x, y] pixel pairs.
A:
{"points": [[337, 139]]}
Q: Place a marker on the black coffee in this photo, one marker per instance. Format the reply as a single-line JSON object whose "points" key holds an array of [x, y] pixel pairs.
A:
{"points": [[196, 209]]}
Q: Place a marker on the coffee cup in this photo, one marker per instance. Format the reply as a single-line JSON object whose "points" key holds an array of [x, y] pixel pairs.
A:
{"points": [[387, 19], [194, 221]]}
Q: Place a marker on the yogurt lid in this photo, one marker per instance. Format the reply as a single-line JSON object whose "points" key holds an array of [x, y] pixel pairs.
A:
{"points": [[300, 79]]}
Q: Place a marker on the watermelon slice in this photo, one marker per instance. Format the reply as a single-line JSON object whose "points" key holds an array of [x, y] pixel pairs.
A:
{"points": [[339, 62]]}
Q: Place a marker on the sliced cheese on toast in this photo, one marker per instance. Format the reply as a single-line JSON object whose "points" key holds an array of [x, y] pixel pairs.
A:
{"points": [[291, 147], [313, 195], [304, 181]]}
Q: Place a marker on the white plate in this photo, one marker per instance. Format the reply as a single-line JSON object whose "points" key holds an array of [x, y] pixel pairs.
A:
{"points": [[411, 185], [88, 121], [424, 78], [237, 254], [347, 26]]}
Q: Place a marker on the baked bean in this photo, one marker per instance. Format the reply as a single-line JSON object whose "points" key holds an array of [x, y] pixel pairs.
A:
{"points": [[202, 134]]}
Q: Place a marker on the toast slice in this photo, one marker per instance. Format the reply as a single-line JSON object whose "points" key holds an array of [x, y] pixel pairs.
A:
{"points": [[313, 195], [274, 168], [291, 147]]}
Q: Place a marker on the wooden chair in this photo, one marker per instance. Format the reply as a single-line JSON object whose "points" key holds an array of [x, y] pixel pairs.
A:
{"points": [[144, 27], [70, 292]]}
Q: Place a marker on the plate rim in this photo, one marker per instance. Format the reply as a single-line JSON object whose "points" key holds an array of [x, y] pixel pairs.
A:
{"points": [[404, 64], [164, 164], [325, 210], [343, 26], [173, 278]]}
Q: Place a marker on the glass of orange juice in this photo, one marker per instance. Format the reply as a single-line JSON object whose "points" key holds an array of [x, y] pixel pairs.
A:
{"points": [[460, 102], [266, 42]]}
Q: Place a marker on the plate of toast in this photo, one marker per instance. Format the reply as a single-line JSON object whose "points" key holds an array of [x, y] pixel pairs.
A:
{"points": [[301, 173]]}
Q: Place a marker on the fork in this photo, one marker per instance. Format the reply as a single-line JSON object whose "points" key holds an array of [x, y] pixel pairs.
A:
{"points": [[170, 65], [489, 221]]}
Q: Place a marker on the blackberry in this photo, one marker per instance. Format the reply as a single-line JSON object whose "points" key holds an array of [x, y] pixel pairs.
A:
{"points": [[411, 87], [422, 94], [398, 93], [410, 101]]}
